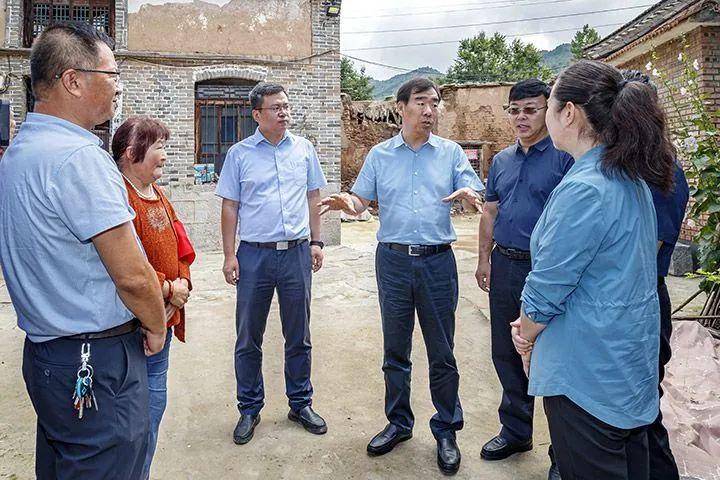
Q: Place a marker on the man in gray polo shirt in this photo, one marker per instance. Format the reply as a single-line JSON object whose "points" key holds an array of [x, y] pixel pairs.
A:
{"points": [[75, 273]]}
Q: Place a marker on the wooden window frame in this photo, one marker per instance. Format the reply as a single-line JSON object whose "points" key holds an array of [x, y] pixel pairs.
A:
{"points": [[29, 20]]}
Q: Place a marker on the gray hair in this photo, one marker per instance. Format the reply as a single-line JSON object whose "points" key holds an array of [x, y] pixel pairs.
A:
{"points": [[261, 90], [62, 46]]}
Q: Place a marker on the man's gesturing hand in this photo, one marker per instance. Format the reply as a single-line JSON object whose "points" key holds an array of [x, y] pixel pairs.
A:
{"points": [[338, 201], [467, 194]]}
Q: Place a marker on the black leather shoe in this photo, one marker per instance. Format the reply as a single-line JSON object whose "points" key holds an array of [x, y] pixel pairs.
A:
{"points": [[498, 448], [554, 472], [245, 429], [448, 456], [311, 421], [386, 440]]}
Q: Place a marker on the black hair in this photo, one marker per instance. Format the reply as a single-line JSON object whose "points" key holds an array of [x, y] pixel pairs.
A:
{"points": [[261, 90], [625, 116], [528, 89], [638, 76], [61, 46], [415, 85]]}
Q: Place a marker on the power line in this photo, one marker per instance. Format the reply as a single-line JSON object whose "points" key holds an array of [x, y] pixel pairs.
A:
{"points": [[461, 10], [498, 22], [444, 42], [402, 69], [471, 4]]}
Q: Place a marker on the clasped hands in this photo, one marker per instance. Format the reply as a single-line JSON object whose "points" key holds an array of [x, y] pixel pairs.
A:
{"points": [[523, 346], [180, 296]]}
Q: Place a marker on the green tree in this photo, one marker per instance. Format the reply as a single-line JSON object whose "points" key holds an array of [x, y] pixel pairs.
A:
{"points": [[583, 38], [354, 83], [492, 59]]}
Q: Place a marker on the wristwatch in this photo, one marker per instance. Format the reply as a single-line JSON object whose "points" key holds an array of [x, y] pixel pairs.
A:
{"points": [[318, 243]]}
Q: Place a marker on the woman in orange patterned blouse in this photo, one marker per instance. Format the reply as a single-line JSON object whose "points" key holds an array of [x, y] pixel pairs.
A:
{"points": [[139, 151]]}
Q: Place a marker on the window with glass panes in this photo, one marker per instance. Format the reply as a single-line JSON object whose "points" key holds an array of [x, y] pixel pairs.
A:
{"points": [[223, 117]]}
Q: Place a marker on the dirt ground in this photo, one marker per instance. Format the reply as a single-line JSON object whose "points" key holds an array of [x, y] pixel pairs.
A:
{"points": [[196, 433]]}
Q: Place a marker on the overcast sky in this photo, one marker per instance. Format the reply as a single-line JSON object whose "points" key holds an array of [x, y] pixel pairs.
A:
{"points": [[371, 15]]}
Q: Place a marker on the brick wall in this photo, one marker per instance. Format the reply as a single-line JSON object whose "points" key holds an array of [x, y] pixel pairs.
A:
{"points": [[704, 45], [164, 87]]}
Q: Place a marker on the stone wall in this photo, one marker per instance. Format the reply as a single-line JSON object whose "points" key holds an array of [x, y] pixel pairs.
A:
{"points": [[163, 86], [704, 45], [3, 15]]}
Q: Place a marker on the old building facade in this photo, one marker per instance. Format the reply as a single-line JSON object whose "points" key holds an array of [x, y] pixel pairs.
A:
{"points": [[192, 65], [655, 38]]}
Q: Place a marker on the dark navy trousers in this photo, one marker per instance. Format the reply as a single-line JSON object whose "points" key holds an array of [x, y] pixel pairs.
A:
{"points": [[662, 461], [429, 286], [106, 444], [507, 279], [262, 271]]}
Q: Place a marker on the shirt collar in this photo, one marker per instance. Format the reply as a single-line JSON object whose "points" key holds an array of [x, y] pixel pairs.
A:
{"points": [[43, 120], [542, 145], [398, 141], [258, 137], [588, 160]]}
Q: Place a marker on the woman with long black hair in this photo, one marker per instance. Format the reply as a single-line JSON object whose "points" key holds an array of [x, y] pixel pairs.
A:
{"points": [[589, 325]]}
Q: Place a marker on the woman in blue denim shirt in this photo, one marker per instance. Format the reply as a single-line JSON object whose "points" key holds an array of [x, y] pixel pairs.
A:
{"points": [[592, 289]]}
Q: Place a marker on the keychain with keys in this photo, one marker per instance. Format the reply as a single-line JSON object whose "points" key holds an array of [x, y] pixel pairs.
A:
{"points": [[83, 395]]}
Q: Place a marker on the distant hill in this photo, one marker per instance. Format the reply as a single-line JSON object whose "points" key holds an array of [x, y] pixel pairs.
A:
{"points": [[387, 88], [558, 58]]}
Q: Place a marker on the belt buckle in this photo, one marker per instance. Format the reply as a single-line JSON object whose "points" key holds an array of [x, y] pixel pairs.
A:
{"points": [[414, 250], [281, 245]]}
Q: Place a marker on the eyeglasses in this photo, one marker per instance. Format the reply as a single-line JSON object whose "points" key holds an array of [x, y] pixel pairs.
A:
{"points": [[515, 111], [116, 73], [277, 108]]}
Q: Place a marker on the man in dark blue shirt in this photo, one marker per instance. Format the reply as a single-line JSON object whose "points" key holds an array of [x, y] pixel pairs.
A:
{"points": [[670, 211], [519, 183]]}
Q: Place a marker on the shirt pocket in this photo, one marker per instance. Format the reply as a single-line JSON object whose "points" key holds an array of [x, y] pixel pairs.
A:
{"points": [[300, 173]]}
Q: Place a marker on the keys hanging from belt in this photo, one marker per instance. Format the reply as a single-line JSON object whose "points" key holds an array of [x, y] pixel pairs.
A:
{"points": [[83, 395]]}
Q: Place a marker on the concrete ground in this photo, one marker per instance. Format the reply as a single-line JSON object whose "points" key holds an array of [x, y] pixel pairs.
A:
{"points": [[196, 433]]}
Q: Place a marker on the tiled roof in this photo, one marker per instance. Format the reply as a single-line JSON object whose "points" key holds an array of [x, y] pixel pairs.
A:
{"points": [[646, 22]]}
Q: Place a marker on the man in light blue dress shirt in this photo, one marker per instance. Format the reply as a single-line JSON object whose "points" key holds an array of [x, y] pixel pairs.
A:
{"points": [[270, 185], [414, 177], [74, 269]]}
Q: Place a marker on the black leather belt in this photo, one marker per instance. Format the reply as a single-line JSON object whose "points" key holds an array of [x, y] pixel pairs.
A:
{"points": [[513, 253], [127, 327], [277, 245], [418, 250]]}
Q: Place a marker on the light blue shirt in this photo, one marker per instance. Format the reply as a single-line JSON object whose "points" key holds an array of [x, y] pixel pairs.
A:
{"points": [[409, 187], [59, 189], [594, 283], [271, 184]]}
